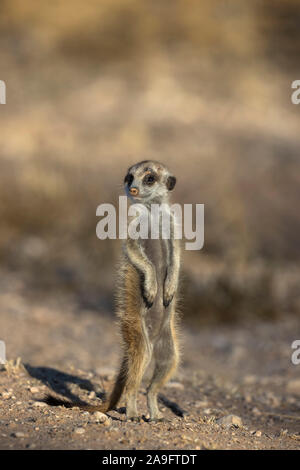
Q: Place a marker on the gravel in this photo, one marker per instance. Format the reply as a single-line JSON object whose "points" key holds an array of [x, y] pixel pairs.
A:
{"points": [[244, 406]]}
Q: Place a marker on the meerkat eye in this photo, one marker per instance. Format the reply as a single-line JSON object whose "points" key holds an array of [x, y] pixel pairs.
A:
{"points": [[149, 180], [128, 179]]}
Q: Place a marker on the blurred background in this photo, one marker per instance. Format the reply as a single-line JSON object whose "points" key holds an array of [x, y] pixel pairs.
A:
{"points": [[204, 87]]}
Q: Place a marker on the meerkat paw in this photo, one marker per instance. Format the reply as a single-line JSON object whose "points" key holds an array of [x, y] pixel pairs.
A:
{"points": [[169, 292], [157, 418], [167, 300], [149, 291], [134, 419]]}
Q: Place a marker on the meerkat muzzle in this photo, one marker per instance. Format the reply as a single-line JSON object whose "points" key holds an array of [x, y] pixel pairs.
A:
{"points": [[134, 191]]}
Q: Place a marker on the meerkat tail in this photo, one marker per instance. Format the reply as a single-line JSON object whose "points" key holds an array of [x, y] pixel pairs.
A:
{"points": [[108, 405]]}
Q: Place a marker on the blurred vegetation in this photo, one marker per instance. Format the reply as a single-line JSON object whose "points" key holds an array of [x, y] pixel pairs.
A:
{"points": [[93, 87]]}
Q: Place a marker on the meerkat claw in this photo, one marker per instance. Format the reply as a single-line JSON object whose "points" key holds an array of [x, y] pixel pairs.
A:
{"points": [[147, 303], [167, 302]]}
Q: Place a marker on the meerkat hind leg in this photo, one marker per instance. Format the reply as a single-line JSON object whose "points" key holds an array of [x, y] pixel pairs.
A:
{"points": [[137, 361], [166, 358]]}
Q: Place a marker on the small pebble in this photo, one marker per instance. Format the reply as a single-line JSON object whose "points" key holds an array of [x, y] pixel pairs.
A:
{"points": [[79, 430], [100, 417], [230, 420], [248, 398], [18, 434], [177, 385], [201, 404], [293, 387], [30, 446]]}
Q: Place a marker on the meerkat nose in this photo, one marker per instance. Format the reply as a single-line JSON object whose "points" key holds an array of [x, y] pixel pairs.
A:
{"points": [[134, 191]]}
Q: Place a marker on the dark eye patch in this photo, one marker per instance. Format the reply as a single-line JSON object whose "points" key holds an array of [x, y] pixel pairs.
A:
{"points": [[128, 179], [150, 179], [171, 181]]}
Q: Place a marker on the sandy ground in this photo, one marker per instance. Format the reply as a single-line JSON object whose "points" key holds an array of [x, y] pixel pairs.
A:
{"points": [[244, 371]]}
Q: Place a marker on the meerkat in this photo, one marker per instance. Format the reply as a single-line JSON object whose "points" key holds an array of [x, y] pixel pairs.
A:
{"points": [[146, 300]]}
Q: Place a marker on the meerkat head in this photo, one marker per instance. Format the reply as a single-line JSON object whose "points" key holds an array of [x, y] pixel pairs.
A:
{"points": [[148, 182]]}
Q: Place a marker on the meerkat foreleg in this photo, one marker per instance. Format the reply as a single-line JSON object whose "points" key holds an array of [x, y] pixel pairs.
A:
{"points": [[171, 279], [145, 268]]}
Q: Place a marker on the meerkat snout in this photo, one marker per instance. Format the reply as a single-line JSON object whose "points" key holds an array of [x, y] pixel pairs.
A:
{"points": [[134, 191]]}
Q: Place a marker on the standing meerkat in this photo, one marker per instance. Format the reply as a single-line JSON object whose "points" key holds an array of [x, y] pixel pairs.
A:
{"points": [[146, 299]]}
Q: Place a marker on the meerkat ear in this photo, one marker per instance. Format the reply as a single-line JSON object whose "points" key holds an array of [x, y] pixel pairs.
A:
{"points": [[171, 181]]}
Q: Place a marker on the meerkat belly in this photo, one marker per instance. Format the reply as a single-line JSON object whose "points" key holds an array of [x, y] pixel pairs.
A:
{"points": [[155, 250]]}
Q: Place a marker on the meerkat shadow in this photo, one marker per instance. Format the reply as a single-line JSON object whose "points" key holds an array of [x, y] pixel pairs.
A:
{"points": [[59, 382], [172, 405]]}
